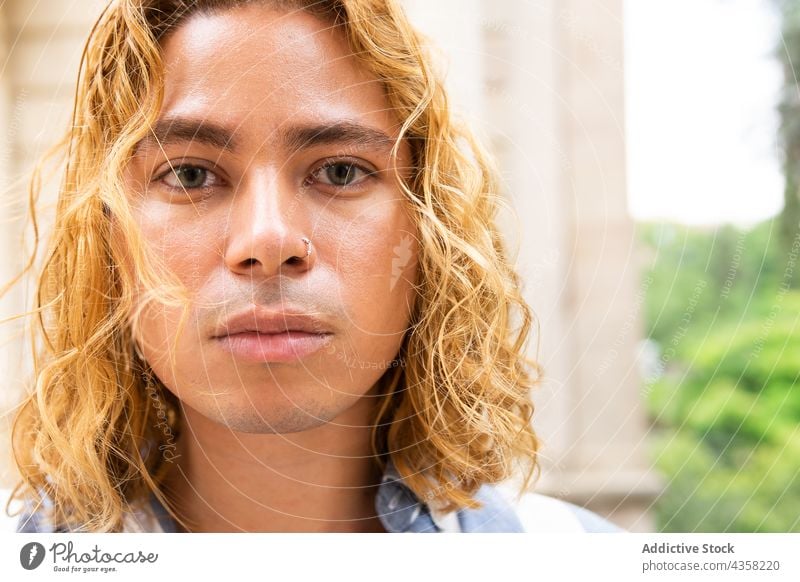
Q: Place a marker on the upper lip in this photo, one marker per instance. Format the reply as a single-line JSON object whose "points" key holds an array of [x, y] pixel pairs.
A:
{"points": [[268, 321]]}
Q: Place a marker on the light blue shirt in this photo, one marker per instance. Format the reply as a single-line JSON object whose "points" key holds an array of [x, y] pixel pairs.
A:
{"points": [[396, 505]]}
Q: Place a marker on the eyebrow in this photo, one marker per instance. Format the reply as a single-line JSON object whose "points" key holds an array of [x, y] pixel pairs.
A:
{"points": [[295, 138], [341, 132], [173, 130]]}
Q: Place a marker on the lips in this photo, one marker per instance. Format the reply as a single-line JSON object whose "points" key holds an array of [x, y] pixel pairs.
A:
{"points": [[262, 321], [269, 336]]}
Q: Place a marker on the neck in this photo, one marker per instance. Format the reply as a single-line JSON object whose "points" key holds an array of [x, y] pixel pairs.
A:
{"points": [[319, 480]]}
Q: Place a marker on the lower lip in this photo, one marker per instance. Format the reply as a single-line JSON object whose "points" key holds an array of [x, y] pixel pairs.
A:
{"points": [[288, 346]]}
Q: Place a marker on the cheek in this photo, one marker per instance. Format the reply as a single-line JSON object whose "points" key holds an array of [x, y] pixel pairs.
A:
{"points": [[376, 262], [186, 253], [185, 247]]}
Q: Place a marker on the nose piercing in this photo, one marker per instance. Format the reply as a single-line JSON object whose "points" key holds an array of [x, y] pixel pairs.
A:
{"points": [[308, 247]]}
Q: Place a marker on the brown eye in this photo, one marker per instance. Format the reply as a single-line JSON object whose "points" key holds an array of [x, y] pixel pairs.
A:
{"points": [[187, 177], [341, 174]]}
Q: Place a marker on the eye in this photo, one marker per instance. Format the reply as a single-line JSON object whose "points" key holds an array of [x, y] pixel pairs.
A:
{"points": [[188, 177], [341, 174]]}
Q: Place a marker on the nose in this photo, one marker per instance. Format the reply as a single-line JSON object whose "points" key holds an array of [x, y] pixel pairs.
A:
{"points": [[268, 229]]}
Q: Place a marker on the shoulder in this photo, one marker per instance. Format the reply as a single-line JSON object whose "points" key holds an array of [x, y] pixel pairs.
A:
{"points": [[532, 513], [35, 517], [10, 516], [542, 513], [32, 517]]}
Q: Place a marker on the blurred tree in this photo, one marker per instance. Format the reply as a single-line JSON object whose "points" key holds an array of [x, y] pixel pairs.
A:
{"points": [[726, 407], [701, 277], [789, 109], [723, 308], [731, 449]]}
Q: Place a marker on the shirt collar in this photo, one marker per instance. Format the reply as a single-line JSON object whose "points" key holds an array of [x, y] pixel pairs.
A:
{"points": [[398, 508]]}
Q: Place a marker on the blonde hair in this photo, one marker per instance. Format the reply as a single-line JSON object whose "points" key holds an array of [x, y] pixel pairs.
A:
{"points": [[455, 416]]}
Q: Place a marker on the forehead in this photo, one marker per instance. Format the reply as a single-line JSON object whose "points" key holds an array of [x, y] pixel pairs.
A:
{"points": [[253, 66]]}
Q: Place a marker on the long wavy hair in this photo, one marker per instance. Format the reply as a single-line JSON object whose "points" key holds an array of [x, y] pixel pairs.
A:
{"points": [[455, 416]]}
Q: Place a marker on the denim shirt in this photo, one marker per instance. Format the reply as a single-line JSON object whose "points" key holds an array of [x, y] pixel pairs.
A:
{"points": [[396, 505]]}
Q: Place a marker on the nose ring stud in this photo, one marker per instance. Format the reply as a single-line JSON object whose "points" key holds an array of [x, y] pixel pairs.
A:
{"points": [[308, 247]]}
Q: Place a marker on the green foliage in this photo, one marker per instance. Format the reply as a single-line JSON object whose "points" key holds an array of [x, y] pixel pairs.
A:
{"points": [[753, 489], [719, 268], [726, 405], [723, 306]]}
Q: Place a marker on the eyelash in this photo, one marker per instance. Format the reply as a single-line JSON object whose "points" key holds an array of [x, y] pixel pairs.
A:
{"points": [[368, 174], [309, 181], [175, 168]]}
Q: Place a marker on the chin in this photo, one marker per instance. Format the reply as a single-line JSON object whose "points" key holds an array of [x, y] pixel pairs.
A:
{"points": [[278, 418]]}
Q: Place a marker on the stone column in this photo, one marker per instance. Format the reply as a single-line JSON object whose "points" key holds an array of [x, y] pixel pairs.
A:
{"points": [[605, 465]]}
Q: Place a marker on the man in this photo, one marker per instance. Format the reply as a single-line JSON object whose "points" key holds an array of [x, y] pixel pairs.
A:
{"points": [[276, 298]]}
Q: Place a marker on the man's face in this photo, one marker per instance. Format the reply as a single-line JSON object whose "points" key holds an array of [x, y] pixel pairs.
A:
{"points": [[275, 133]]}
